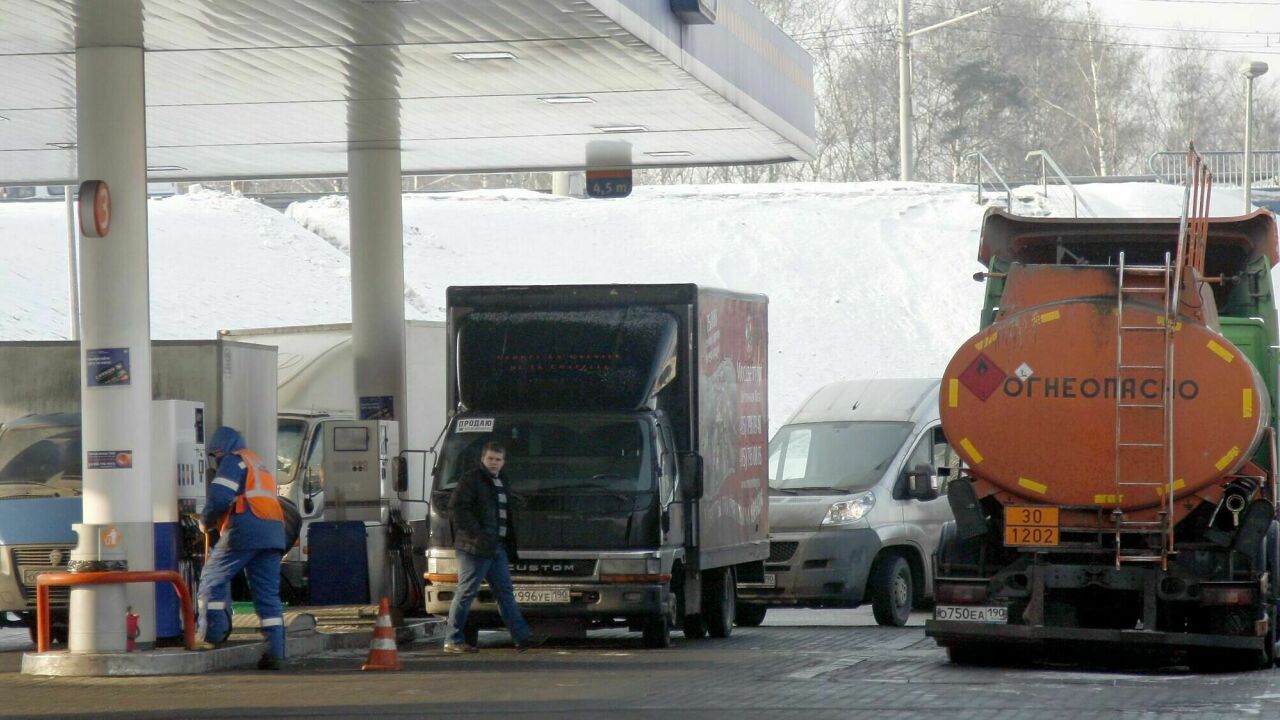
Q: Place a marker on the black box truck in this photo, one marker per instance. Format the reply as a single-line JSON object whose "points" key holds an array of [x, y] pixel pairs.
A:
{"points": [[635, 421]]}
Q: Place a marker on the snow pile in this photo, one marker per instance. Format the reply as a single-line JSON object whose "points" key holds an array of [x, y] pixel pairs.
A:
{"points": [[864, 279], [217, 261]]}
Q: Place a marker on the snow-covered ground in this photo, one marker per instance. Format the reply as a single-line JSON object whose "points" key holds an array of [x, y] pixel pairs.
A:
{"points": [[864, 279]]}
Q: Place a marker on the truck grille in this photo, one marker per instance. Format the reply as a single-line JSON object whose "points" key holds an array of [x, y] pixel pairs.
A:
{"points": [[781, 551], [553, 568], [41, 557]]}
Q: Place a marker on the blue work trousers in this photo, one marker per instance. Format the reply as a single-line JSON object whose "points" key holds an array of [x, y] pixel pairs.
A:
{"points": [[472, 570], [263, 566]]}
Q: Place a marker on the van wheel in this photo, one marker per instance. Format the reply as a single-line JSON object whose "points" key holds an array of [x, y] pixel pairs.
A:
{"points": [[719, 602], [750, 615], [892, 592]]}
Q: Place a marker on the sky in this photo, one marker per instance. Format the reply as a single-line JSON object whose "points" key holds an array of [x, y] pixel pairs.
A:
{"points": [[1240, 29], [1223, 15]]}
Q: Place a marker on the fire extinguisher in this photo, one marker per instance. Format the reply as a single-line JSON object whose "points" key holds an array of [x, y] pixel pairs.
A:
{"points": [[132, 631]]}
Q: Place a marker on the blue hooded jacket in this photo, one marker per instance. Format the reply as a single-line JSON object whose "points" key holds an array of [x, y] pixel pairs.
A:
{"points": [[245, 531]]}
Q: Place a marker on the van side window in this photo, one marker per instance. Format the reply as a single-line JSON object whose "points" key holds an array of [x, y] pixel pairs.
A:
{"points": [[945, 456], [931, 452]]}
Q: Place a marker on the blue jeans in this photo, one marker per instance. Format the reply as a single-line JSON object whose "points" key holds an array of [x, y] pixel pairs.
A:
{"points": [[472, 570], [264, 583]]}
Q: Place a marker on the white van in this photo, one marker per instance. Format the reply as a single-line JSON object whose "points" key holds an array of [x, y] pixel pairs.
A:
{"points": [[856, 505]]}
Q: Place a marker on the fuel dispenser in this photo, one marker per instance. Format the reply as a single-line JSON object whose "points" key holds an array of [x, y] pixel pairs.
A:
{"points": [[178, 482], [362, 526]]}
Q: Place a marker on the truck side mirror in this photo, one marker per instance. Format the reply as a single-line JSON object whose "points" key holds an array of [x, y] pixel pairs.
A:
{"points": [[401, 469], [690, 476]]}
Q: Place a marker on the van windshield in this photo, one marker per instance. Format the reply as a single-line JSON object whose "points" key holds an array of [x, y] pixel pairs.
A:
{"points": [[841, 456], [40, 461]]}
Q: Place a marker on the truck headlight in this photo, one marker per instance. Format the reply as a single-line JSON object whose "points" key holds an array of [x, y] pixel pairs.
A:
{"points": [[850, 511], [623, 566]]}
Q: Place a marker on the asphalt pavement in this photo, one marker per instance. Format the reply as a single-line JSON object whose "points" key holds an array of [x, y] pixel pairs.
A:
{"points": [[799, 664]]}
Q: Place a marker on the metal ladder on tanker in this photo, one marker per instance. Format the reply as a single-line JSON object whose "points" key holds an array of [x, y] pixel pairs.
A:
{"points": [[1129, 367]]}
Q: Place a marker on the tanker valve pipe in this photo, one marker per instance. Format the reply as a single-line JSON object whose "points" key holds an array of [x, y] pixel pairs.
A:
{"points": [[980, 276]]}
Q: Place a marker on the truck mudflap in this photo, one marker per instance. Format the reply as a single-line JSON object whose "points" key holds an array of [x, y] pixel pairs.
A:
{"points": [[952, 633]]}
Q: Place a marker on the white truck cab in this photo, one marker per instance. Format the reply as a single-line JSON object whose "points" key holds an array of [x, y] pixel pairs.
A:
{"points": [[855, 504]]}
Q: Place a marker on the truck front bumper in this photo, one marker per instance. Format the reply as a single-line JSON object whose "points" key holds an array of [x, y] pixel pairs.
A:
{"points": [[590, 601], [826, 568], [950, 633]]}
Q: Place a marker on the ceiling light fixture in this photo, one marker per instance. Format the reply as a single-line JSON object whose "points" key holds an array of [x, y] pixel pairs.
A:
{"points": [[566, 100], [62, 145], [669, 153], [164, 168], [503, 55], [621, 128]]}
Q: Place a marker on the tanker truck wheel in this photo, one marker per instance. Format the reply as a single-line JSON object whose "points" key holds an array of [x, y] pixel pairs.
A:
{"points": [[892, 591]]}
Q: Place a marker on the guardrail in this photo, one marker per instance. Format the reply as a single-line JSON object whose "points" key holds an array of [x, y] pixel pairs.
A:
{"points": [[1227, 167], [1046, 162], [48, 579], [982, 160]]}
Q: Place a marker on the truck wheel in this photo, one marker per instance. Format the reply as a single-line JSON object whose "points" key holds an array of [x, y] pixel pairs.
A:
{"points": [[694, 628], [892, 592], [749, 615], [719, 601], [657, 632]]}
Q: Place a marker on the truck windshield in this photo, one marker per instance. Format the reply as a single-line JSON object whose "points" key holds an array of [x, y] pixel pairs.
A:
{"points": [[842, 456], [40, 461], [558, 453]]}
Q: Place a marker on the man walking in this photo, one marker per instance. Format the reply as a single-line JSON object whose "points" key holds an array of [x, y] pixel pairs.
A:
{"points": [[242, 498], [481, 537]]}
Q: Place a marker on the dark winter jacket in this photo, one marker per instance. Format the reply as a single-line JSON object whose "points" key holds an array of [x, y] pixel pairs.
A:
{"points": [[473, 508]]}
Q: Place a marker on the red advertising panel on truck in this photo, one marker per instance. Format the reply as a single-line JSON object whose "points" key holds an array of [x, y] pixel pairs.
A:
{"points": [[732, 427]]}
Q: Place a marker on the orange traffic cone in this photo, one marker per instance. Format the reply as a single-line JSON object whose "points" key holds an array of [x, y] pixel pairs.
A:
{"points": [[382, 650]]}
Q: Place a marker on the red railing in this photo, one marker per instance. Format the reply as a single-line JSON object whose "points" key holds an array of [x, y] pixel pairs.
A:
{"points": [[49, 579]]}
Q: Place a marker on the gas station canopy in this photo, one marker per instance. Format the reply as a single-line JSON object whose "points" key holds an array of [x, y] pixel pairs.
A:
{"points": [[283, 88]]}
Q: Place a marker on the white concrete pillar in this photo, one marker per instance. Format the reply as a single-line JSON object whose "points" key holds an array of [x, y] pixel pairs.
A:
{"points": [[115, 331], [377, 281]]}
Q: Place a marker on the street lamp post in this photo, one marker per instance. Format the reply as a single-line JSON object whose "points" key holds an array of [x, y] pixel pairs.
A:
{"points": [[1249, 71], [906, 150]]}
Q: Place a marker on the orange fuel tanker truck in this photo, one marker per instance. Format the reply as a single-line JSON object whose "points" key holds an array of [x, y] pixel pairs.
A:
{"points": [[1115, 415]]}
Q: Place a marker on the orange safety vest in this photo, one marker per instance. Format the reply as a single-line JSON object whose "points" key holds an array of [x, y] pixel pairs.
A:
{"points": [[259, 494]]}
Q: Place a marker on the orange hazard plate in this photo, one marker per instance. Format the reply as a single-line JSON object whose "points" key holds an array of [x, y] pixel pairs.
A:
{"points": [[1023, 535], [1031, 516]]}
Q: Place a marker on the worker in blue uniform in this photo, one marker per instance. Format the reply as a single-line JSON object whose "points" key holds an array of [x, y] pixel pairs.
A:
{"points": [[242, 502]]}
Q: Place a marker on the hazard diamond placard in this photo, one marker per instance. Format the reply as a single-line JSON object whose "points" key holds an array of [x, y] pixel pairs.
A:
{"points": [[982, 377]]}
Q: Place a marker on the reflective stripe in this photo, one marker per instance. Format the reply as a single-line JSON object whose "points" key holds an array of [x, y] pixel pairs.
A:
{"points": [[272, 622], [216, 605], [224, 482], [383, 621], [382, 645]]}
